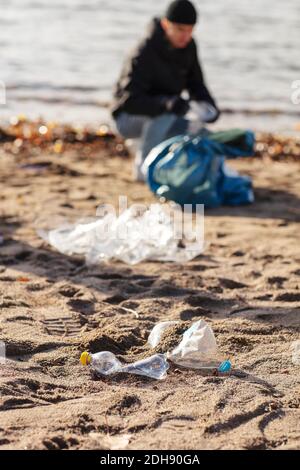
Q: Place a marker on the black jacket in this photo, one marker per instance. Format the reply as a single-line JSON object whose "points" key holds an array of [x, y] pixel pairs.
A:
{"points": [[156, 70]]}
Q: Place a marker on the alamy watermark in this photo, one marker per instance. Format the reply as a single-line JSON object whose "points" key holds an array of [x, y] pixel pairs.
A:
{"points": [[186, 222], [2, 93], [295, 96], [2, 353]]}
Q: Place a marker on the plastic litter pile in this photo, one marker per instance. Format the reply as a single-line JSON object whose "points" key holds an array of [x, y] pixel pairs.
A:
{"points": [[196, 350], [130, 238]]}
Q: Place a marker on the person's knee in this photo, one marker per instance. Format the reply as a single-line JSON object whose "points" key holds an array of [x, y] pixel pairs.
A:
{"points": [[129, 126], [121, 127]]}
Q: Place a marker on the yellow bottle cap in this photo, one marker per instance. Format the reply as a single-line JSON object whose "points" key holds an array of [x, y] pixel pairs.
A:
{"points": [[85, 358]]}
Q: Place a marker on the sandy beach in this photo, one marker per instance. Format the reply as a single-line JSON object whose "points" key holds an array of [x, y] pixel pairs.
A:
{"points": [[245, 286]]}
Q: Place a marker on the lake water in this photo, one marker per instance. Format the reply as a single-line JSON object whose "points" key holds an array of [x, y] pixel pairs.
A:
{"points": [[59, 59]]}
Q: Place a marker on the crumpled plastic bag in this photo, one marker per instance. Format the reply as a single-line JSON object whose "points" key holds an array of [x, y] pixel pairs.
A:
{"points": [[196, 350], [132, 237]]}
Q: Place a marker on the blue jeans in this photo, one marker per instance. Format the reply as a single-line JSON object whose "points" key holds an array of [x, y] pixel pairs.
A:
{"points": [[150, 131]]}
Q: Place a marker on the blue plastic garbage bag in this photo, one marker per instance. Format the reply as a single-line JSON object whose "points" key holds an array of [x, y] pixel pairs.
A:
{"points": [[192, 170]]}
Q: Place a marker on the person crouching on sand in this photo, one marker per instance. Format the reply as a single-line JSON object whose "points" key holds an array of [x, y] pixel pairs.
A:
{"points": [[147, 100]]}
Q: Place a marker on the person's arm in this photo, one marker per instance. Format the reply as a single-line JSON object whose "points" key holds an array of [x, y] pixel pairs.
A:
{"points": [[135, 85], [196, 86]]}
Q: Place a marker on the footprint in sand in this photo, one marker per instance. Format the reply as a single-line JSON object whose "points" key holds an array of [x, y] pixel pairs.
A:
{"points": [[62, 326]]}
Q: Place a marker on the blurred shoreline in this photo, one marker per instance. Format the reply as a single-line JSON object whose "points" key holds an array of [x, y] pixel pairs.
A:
{"points": [[93, 115], [21, 135]]}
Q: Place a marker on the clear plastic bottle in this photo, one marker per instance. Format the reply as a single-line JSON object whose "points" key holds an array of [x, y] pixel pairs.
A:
{"points": [[106, 363]]}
